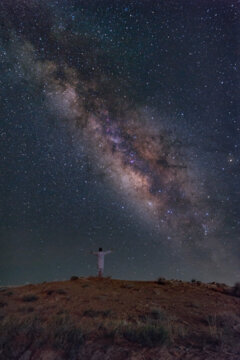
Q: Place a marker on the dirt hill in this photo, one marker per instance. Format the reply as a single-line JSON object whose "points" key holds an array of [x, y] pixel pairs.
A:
{"points": [[100, 319]]}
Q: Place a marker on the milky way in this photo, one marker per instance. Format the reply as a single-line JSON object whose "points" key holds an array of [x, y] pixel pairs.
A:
{"points": [[154, 162], [141, 160]]}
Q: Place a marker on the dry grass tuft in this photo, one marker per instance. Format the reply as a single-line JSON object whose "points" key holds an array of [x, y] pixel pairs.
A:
{"points": [[65, 335], [29, 298], [18, 335], [96, 313], [73, 278], [146, 334], [12, 329]]}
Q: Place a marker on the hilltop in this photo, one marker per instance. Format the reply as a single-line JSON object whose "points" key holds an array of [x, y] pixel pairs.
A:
{"points": [[106, 319]]}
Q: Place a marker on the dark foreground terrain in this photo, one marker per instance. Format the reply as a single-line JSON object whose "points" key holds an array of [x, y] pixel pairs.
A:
{"points": [[100, 319]]}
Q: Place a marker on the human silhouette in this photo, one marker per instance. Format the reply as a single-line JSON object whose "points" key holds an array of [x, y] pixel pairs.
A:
{"points": [[100, 262]]}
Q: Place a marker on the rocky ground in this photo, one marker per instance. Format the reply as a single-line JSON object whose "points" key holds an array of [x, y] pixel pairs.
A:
{"points": [[100, 319]]}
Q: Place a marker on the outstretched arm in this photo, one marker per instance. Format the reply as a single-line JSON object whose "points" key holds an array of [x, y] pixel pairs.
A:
{"points": [[108, 252]]}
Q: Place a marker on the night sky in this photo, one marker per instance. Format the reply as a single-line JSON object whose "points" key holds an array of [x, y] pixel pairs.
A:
{"points": [[119, 127]]}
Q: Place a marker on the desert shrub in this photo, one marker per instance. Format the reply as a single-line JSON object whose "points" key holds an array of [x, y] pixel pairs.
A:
{"points": [[95, 313], [60, 292], [49, 292], [73, 278], [127, 286], [157, 314], [161, 281], [157, 317], [29, 298], [106, 313], [236, 290], [31, 325], [146, 334], [85, 285], [196, 282], [109, 329]]}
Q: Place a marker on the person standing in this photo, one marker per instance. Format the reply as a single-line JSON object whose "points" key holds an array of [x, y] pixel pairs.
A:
{"points": [[100, 261]]}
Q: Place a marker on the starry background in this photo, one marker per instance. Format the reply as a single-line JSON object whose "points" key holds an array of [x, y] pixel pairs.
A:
{"points": [[119, 128]]}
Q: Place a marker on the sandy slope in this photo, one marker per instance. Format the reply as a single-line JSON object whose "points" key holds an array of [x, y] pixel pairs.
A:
{"points": [[90, 318]]}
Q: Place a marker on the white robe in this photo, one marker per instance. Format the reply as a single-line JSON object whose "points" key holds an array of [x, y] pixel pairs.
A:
{"points": [[101, 255]]}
